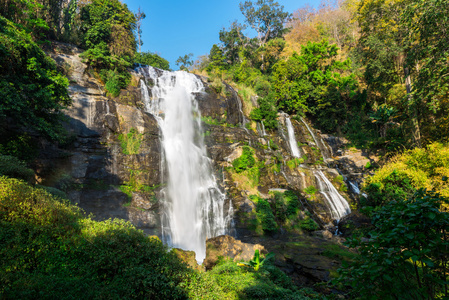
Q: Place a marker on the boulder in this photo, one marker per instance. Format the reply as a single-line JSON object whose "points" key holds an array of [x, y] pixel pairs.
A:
{"points": [[227, 246]]}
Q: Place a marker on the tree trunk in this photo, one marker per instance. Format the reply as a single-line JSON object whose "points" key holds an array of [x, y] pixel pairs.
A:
{"points": [[412, 110]]}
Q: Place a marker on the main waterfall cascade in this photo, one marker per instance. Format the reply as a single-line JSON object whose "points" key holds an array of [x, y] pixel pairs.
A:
{"points": [[338, 206], [193, 205]]}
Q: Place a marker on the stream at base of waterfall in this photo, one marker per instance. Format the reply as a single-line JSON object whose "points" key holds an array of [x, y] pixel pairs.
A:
{"points": [[193, 206]]}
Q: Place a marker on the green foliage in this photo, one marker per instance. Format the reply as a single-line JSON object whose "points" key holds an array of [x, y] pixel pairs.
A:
{"points": [[308, 224], [33, 92], [13, 167], [266, 112], [21, 146], [264, 214], [257, 262], [393, 187], [115, 81], [417, 168], [286, 207], [229, 281], [107, 29], [56, 193], [47, 248], [313, 82], [294, 163], [184, 62], [130, 142], [233, 41], [311, 190], [406, 255], [245, 161], [151, 59], [135, 185], [216, 58], [266, 17]]}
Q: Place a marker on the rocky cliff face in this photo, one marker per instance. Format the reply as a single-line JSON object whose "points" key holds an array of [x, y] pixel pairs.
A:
{"points": [[112, 167]]}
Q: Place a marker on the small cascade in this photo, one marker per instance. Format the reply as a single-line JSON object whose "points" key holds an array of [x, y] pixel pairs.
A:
{"points": [[354, 187], [193, 207], [338, 205], [323, 154], [291, 138], [263, 129]]}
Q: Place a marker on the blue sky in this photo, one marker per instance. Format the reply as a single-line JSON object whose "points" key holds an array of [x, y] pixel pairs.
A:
{"points": [[176, 28]]}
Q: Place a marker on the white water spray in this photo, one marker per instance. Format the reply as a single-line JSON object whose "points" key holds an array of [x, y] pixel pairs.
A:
{"points": [[193, 205], [291, 138], [338, 205]]}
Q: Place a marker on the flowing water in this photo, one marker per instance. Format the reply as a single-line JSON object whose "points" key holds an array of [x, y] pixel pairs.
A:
{"points": [[193, 205], [338, 205], [291, 138]]}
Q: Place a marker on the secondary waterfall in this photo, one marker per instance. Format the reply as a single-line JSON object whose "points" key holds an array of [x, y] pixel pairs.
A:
{"points": [[193, 205], [291, 138], [338, 205]]}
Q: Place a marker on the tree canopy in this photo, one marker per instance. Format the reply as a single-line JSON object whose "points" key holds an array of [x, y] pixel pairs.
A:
{"points": [[266, 17], [32, 90]]}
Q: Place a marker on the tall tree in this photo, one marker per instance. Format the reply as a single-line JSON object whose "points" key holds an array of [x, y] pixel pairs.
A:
{"points": [[184, 62], [140, 15], [384, 53], [233, 41], [266, 18]]}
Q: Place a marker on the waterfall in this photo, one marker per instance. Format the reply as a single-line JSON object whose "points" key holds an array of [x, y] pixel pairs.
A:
{"points": [[354, 187], [193, 208], [291, 138], [338, 205], [263, 129], [314, 139]]}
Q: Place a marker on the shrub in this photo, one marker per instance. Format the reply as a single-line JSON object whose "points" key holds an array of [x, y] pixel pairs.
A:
{"points": [[245, 161], [48, 247], [406, 255], [265, 214], [311, 190], [115, 81], [130, 142], [309, 224], [151, 59], [57, 193], [12, 167], [417, 168]]}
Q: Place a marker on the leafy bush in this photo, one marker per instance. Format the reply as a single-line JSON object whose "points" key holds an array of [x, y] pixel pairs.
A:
{"points": [[406, 255], [32, 90], [417, 168], [57, 193], [311, 190], [229, 281], [294, 163], [49, 248], [308, 224], [266, 112], [12, 167], [265, 214], [151, 59], [115, 81], [245, 161], [286, 205], [130, 142]]}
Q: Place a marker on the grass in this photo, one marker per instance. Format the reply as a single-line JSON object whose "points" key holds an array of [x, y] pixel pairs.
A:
{"points": [[130, 142], [338, 252]]}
